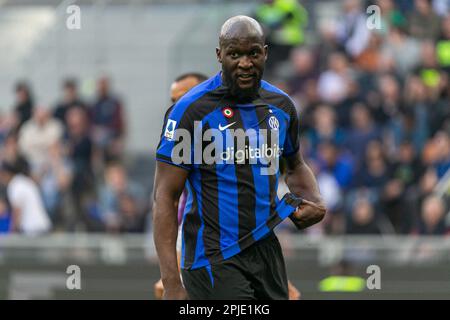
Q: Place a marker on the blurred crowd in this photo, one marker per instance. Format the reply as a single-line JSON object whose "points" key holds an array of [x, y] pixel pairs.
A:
{"points": [[374, 109], [63, 168]]}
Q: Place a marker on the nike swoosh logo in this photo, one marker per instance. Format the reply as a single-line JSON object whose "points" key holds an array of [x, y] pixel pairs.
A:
{"points": [[225, 127]]}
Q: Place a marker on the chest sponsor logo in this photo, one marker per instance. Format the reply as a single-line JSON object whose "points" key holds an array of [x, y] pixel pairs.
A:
{"points": [[237, 147]]}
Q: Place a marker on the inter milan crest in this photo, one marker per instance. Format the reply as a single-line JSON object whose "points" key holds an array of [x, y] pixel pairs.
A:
{"points": [[227, 112], [273, 123]]}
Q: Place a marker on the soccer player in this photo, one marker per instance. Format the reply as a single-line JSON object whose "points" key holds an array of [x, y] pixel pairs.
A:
{"points": [[179, 87], [229, 250], [184, 83]]}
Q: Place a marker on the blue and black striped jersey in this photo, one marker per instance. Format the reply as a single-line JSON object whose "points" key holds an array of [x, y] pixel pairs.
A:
{"points": [[232, 203]]}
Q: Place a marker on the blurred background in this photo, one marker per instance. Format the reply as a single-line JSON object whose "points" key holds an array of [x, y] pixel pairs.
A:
{"points": [[81, 112]]}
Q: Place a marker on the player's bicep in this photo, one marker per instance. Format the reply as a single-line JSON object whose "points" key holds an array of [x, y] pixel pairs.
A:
{"points": [[294, 161], [292, 140], [169, 181]]}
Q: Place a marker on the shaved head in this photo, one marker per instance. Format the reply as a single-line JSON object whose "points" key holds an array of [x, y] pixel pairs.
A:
{"points": [[240, 27], [242, 53]]}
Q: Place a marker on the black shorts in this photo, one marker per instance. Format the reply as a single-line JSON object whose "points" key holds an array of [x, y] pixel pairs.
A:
{"points": [[257, 273]]}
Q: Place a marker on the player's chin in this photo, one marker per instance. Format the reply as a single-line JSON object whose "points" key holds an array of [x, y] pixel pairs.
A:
{"points": [[246, 85], [247, 89]]}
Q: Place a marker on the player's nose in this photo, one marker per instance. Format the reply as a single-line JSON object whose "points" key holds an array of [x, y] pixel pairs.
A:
{"points": [[245, 62]]}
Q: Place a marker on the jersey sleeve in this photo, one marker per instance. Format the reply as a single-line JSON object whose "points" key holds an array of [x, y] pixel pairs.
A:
{"points": [[292, 141], [176, 144]]}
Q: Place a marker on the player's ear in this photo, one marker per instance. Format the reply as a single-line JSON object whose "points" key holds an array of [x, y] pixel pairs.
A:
{"points": [[266, 51], [218, 51]]}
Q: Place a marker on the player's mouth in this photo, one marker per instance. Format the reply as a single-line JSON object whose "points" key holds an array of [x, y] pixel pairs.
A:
{"points": [[246, 78]]}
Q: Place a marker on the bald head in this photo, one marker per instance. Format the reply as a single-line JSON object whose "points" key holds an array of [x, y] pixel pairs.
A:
{"points": [[239, 27], [242, 54]]}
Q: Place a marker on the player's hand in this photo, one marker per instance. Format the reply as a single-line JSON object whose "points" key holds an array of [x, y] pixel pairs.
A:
{"points": [[176, 293], [307, 214], [158, 289], [294, 294]]}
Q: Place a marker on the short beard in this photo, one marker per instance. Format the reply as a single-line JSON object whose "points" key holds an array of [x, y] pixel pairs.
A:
{"points": [[242, 94]]}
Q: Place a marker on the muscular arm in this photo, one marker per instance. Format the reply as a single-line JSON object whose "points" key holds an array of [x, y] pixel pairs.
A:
{"points": [[169, 184], [301, 182]]}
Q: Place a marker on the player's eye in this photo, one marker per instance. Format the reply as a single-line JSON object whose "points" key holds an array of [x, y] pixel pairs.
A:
{"points": [[234, 55], [254, 54]]}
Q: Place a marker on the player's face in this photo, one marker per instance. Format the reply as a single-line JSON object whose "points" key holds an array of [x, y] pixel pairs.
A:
{"points": [[243, 61], [178, 89]]}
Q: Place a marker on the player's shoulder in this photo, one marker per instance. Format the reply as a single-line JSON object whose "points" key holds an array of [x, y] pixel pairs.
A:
{"points": [[277, 97], [192, 103]]}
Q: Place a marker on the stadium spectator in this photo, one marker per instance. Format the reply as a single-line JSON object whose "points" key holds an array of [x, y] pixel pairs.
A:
{"points": [[308, 100], [423, 22], [407, 167], [423, 189], [108, 121], [369, 59], [131, 215], [353, 33], [325, 127], [442, 163], [393, 204], [54, 179], [331, 191], [122, 202], [418, 112], [436, 153], [23, 108], [304, 69], [333, 83], [374, 172], [401, 53], [328, 44], [79, 152], [432, 217], [363, 131], [69, 100], [28, 212], [386, 113], [284, 22], [344, 108], [37, 135], [363, 218], [11, 153], [336, 162], [391, 16]]}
